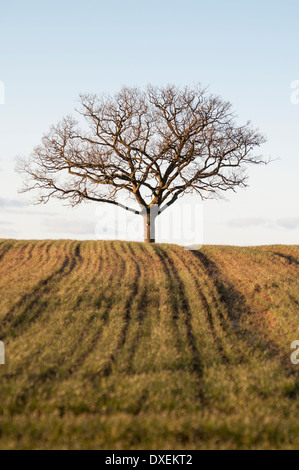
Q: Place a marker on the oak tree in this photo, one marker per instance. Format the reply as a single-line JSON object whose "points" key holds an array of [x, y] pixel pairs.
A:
{"points": [[155, 145]]}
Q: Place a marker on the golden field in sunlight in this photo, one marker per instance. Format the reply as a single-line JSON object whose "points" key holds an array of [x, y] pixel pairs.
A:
{"points": [[126, 345]]}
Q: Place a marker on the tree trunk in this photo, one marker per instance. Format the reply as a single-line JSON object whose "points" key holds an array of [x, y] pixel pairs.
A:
{"points": [[149, 227]]}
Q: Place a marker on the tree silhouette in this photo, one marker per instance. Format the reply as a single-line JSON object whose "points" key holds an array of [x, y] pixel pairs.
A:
{"points": [[155, 145]]}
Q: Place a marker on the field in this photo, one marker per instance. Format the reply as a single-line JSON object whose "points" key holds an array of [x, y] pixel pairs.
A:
{"points": [[117, 345]]}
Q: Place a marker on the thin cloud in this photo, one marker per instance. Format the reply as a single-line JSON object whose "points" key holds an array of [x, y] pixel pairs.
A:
{"points": [[71, 226], [22, 207], [249, 222], [5, 232], [6, 203], [290, 223], [5, 223]]}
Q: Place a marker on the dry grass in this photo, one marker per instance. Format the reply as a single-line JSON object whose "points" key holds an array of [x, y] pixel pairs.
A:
{"points": [[131, 346]]}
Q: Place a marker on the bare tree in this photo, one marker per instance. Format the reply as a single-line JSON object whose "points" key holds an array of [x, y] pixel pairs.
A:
{"points": [[154, 145]]}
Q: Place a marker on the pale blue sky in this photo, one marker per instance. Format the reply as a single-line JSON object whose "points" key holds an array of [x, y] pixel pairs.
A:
{"points": [[247, 52]]}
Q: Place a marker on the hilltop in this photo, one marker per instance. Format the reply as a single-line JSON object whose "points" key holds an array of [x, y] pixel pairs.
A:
{"points": [[118, 345]]}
